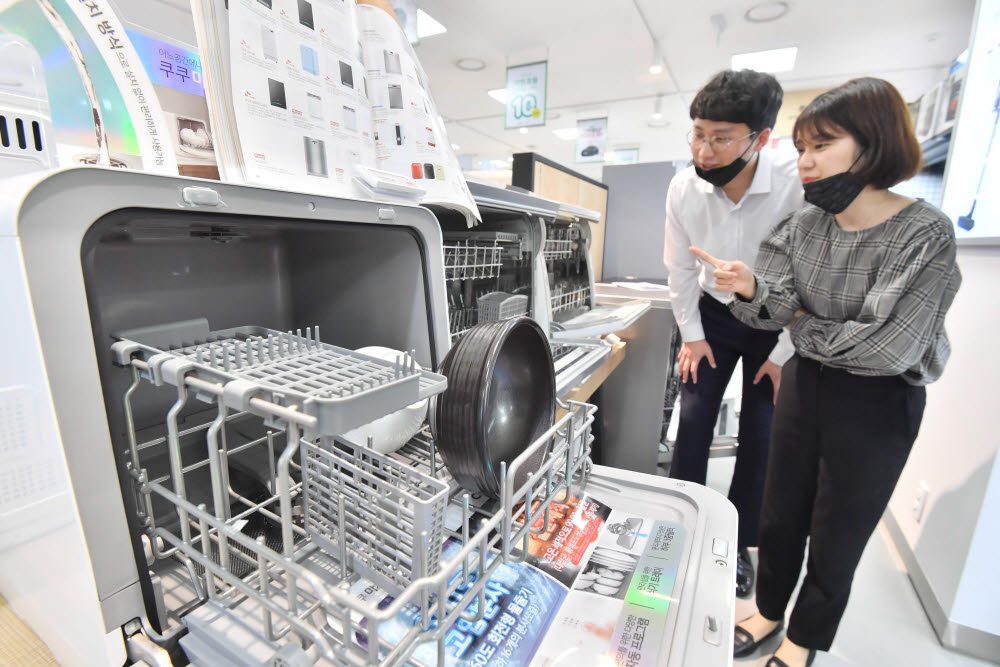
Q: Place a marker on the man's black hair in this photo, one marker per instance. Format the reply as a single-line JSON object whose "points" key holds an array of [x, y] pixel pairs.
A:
{"points": [[746, 96]]}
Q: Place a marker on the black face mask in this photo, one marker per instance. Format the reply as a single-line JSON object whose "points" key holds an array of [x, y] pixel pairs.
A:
{"points": [[834, 193], [722, 175]]}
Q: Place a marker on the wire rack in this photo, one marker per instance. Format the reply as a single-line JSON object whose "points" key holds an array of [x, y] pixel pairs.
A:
{"points": [[357, 501], [502, 306], [294, 598], [472, 259], [284, 375], [568, 300]]}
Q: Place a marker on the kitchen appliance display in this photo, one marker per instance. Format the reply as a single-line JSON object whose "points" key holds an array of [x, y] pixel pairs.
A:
{"points": [[214, 445]]}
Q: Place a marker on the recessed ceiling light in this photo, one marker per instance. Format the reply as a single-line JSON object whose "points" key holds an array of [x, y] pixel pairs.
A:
{"points": [[427, 26], [764, 12], [499, 94], [523, 130], [566, 134], [470, 64], [774, 60]]}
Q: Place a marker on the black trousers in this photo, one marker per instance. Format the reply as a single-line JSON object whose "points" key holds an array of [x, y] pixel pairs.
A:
{"points": [[838, 445], [730, 340]]}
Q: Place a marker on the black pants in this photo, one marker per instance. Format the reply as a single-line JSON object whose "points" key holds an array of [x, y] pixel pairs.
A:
{"points": [[838, 445], [729, 339]]}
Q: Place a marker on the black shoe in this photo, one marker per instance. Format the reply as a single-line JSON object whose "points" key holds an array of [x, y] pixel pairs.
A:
{"points": [[744, 574], [778, 662], [745, 644]]}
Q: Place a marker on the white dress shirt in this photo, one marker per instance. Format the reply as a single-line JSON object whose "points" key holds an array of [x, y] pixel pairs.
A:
{"points": [[700, 214]]}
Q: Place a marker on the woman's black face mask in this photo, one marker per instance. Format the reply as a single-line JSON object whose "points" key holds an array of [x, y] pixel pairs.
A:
{"points": [[835, 193]]}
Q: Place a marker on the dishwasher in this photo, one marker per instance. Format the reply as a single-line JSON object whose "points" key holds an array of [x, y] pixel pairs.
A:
{"points": [[183, 359]]}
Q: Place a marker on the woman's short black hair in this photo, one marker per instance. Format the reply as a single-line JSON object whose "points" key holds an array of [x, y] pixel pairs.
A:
{"points": [[875, 114], [746, 96]]}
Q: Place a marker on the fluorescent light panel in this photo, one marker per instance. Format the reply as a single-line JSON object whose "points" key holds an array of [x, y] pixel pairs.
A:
{"points": [[774, 60], [427, 26]]}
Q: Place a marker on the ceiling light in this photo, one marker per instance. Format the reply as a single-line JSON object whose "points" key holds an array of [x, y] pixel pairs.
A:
{"points": [[657, 123], [427, 26], [523, 130], [764, 12], [566, 134], [658, 108], [657, 66], [775, 60], [455, 147], [659, 62], [470, 64], [499, 94]]}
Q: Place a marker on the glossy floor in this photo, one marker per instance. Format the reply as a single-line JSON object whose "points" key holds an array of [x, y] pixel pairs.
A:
{"points": [[884, 624]]}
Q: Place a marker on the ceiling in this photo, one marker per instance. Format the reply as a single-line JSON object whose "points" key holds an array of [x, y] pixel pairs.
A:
{"points": [[599, 52]]}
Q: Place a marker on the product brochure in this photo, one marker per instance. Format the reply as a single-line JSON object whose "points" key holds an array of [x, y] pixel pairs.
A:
{"points": [[597, 587], [327, 96]]}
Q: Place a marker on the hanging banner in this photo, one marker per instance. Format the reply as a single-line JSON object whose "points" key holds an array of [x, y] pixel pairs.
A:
{"points": [[591, 138], [108, 34], [526, 85]]}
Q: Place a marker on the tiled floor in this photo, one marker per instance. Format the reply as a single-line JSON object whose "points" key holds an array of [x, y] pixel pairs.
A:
{"points": [[884, 624]]}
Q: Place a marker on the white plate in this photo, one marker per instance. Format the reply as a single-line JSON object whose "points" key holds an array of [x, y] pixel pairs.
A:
{"points": [[394, 430]]}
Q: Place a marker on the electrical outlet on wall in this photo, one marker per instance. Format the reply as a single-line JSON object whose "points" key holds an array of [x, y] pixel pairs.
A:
{"points": [[920, 501]]}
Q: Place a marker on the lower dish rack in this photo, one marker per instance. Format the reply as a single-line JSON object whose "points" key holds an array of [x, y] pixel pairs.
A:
{"points": [[287, 570]]}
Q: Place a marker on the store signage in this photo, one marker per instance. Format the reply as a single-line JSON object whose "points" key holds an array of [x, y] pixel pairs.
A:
{"points": [[526, 85], [591, 138]]}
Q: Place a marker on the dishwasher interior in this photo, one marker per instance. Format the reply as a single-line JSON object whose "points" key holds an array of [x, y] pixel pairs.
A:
{"points": [[488, 269]]}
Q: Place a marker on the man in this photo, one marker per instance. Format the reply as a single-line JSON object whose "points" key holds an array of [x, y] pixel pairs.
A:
{"points": [[727, 202]]}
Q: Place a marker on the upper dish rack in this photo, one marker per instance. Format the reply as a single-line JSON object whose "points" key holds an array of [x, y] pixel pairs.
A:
{"points": [[282, 376], [477, 255]]}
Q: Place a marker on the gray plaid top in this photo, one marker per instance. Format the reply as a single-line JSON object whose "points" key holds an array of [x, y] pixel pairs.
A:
{"points": [[874, 300]]}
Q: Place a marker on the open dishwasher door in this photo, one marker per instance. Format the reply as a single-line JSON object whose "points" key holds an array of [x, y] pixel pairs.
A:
{"points": [[656, 585]]}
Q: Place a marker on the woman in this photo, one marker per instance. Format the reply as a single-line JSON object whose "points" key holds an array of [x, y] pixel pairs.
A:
{"points": [[862, 278]]}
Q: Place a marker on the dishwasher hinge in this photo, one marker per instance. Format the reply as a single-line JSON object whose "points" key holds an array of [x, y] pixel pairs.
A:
{"points": [[141, 649]]}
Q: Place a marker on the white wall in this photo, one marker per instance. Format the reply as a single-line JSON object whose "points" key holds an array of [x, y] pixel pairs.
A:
{"points": [[956, 542]]}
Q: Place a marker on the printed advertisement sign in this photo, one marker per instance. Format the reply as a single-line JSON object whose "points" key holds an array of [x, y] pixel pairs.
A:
{"points": [[526, 86], [591, 138]]}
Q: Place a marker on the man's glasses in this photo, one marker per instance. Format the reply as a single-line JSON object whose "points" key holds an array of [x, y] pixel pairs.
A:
{"points": [[717, 144]]}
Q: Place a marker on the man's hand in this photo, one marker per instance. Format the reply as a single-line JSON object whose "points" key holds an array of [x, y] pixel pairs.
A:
{"points": [[730, 276], [691, 355], [773, 371]]}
